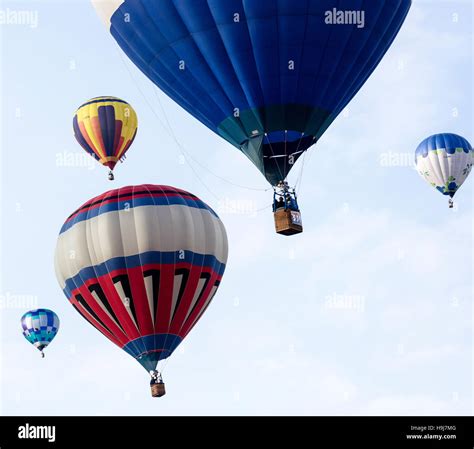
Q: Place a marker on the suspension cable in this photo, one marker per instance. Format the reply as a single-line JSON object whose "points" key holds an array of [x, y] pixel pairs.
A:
{"points": [[169, 130]]}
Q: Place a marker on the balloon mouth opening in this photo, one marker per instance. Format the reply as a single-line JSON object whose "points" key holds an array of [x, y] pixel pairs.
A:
{"points": [[289, 136], [276, 152]]}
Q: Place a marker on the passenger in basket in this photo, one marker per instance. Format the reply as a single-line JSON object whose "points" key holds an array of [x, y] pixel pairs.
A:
{"points": [[279, 204]]}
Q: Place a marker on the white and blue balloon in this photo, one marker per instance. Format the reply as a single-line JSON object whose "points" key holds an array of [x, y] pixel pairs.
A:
{"points": [[445, 161]]}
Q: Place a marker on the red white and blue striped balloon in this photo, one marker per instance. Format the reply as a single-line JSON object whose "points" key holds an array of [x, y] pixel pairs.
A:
{"points": [[142, 264]]}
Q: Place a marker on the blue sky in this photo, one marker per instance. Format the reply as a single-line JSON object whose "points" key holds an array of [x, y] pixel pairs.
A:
{"points": [[367, 312]]}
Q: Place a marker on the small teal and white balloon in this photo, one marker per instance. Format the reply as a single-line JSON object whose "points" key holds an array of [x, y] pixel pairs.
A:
{"points": [[445, 161], [40, 326]]}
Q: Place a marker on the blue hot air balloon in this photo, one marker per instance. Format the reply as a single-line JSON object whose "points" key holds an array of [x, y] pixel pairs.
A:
{"points": [[269, 76], [40, 326], [445, 161]]}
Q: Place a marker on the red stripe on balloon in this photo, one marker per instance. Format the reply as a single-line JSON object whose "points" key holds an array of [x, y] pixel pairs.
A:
{"points": [[103, 316], [165, 298], [117, 304], [88, 139], [188, 295], [98, 135], [199, 306], [85, 314], [140, 300]]}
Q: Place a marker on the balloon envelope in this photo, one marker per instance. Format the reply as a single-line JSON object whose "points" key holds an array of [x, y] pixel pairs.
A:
{"points": [[269, 76], [142, 264], [445, 161], [105, 127], [40, 326]]}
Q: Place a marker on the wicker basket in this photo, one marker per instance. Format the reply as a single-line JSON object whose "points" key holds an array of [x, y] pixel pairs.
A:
{"points": [[288, 222], [158, 390]]}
